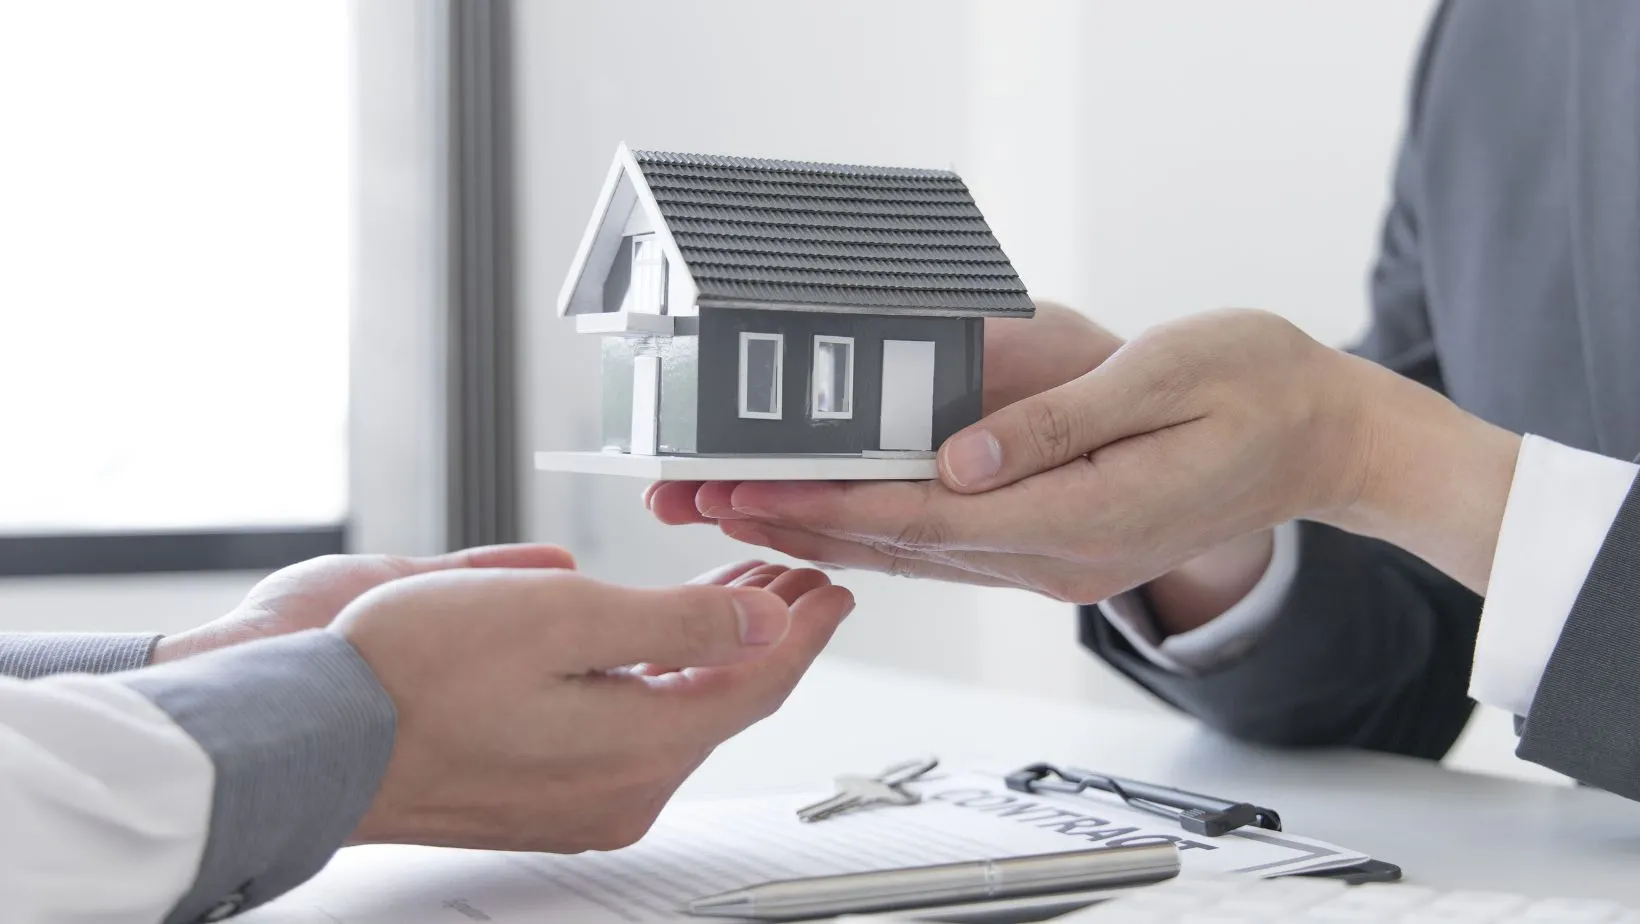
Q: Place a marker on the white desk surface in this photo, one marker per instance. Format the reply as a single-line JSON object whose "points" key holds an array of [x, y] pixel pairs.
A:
{"points": [[1442, 827]]}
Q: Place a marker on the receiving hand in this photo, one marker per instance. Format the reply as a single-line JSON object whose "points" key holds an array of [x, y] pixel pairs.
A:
{"points": [[309, 594], [1210, 428], [525, 721]]}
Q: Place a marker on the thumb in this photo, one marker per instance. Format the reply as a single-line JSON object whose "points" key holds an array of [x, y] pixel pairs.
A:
{"points": [[698, 625], [1115, 401]]}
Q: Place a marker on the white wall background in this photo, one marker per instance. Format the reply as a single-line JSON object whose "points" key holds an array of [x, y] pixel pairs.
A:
{"points": [[1139, 160]]}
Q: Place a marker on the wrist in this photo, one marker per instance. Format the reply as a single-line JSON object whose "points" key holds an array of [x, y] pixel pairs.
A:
{"points": [[170, 648], [1426, 476], [1202, 589]]}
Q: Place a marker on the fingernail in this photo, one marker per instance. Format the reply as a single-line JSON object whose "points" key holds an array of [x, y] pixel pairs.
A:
{"points": [[972, 457], [762, 620], [721, 512]]}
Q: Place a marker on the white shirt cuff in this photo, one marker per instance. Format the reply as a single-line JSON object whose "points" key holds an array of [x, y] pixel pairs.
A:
{"points": [[1222, 639], [1562, 502]]}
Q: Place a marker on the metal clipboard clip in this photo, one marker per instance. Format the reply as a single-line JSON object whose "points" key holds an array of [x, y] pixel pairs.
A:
{"points": [[1196, 813]]}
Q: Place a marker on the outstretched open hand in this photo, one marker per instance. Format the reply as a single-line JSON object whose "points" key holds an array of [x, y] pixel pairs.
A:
{"points": [[309, 594]]}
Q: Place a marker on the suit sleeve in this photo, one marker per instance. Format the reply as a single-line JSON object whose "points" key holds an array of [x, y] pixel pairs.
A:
{"points": [[1584, 719], [187, 791], [299, 732], [27, 655], [1370, 646]]}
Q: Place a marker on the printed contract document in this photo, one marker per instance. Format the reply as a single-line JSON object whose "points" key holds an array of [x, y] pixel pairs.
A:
{"points": [[704, 847]]}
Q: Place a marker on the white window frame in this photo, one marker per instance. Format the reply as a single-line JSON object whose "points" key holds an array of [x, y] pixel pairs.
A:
{"points": [[659, 264], [848, 379], [746, 337]]}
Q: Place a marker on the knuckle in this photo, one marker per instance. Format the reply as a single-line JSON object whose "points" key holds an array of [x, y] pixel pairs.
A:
{"points": [[923, 534], [1049, 430], [895, 561], [925, 530], [901, 565]]}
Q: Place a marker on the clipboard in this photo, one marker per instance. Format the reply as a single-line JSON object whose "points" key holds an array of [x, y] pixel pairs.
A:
{"points": [[1196, 813], [1201, 819], [1208, 816]]}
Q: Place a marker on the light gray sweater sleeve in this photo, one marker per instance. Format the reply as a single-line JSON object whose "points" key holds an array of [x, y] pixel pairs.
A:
{"points": [[299, 731], [27, 655]]}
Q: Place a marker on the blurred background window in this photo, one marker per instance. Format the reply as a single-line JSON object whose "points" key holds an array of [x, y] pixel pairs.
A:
{"points": [[174, 267]]}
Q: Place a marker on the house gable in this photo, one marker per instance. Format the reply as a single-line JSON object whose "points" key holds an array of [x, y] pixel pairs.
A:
{"points": [[601, 271]]}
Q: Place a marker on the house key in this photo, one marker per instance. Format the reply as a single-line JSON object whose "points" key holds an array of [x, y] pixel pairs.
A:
{"points": [[886, 788]]}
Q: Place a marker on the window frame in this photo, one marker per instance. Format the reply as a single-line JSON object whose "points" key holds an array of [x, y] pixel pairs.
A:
{"points": [[85, 554], [228, 546], [779, 340], [848, 379], [434, 269], [658, 264]]}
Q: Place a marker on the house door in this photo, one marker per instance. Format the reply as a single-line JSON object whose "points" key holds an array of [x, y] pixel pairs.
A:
{"points": [[908, 395], [646, 404]]}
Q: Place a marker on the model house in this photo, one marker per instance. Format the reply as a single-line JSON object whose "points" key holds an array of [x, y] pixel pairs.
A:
{"points": [[779, 309]]}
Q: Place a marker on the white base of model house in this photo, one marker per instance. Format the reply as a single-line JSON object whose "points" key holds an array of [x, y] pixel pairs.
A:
{"points": [[883, 466]]}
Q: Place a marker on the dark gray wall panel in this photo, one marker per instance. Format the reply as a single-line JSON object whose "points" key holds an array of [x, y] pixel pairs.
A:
{"points": [[959, 352]]}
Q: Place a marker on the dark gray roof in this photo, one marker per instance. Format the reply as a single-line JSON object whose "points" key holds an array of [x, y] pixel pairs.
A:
{"points": [[788, 232]]}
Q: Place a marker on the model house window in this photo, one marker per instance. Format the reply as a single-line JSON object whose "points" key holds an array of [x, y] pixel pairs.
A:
{"points": [[833, 378], [760, 368], [648, 275]]}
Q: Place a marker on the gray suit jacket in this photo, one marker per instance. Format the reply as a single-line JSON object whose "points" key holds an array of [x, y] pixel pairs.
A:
{"points": [[1508, 278]]}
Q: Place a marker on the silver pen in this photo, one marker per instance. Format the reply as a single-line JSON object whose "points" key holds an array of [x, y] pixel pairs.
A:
{"points": [[947, 883]]}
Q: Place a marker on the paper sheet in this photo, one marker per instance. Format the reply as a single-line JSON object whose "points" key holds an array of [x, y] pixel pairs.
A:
{"points": [[699, 848]]}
